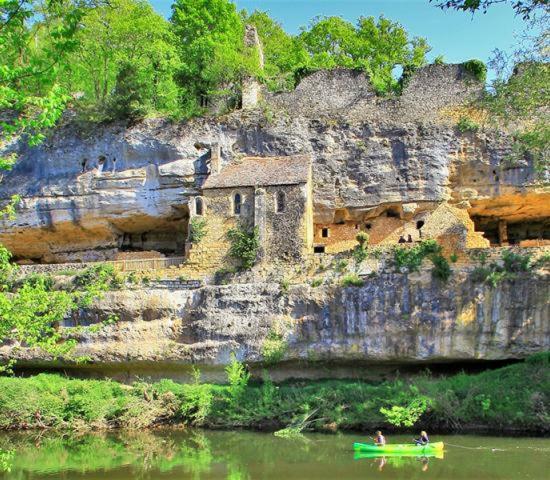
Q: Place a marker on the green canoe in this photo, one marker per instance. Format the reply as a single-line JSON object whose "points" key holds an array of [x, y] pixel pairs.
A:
{"points": [[399, 448]]}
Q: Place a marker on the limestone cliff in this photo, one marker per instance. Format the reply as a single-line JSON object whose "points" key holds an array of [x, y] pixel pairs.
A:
{"points": [[89, 194], [393, 319]]}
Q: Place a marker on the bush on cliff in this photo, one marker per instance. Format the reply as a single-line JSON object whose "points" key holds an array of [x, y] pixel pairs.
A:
{"points": [[514, 397]]}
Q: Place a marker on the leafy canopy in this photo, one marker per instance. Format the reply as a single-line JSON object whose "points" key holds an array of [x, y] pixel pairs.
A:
{"points": [[376, 46], [524, 8], [125, 62], [35, 39]]}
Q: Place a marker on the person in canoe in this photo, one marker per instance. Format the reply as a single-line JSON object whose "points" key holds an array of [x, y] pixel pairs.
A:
{"points": [[379, 440], [423, 439]]}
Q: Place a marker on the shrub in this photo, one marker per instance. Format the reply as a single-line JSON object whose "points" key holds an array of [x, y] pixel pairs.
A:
{"points": [[341, 265], [99, 278], [442, 269], [412, 258], [352, 280], [245, 244], [360, 254], [439, 60], [362, 239], [316, 282], [284, 286], [223, 275], [542, 261], [477, 69], [512, 263], [516, 262], [196, 400], [407, 415], [466, 124], [198, 228], [237, 376]]}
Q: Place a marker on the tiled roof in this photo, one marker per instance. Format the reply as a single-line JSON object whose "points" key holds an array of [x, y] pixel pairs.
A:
{"points": [[262, 171]]}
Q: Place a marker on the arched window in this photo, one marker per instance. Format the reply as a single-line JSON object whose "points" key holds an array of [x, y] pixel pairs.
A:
{"points": [[237, 204], [280, 200], [199, 206]]}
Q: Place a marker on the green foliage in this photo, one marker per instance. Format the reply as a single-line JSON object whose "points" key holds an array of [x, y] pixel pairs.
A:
{"points": [[283, 53], [360, 254], [237, 376], [316, 282], [125, 63], [6, 458], [210, 42], [341, 265], [36, 38], [524, 8], [198, 228], [32, 309], [442, 269], [284, 286], [477, 69], [352, 280], [245, 244], [274, 347], [453, 257], [196, 401], [439, 60], [362, 239], [465, 124], [518, 98], [408, 415], [411, 258], [511, 397], [94, 281], [511, 264], [376, 46]]}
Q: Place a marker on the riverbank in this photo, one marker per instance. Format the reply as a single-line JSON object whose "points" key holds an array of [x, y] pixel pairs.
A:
{"points": [[512, 398]]}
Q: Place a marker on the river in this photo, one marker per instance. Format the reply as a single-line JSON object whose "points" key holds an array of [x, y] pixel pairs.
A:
{"points": [[174, 454]]}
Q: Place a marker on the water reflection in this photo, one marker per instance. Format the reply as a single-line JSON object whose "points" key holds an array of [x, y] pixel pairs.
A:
{"points": [[202, 455], [399, 460]]}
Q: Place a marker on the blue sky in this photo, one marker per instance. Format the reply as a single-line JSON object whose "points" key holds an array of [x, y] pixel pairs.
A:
{"points": [[457, 36]]}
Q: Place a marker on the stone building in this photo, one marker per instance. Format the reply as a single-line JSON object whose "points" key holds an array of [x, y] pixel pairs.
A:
{"points": [[451, 226], [273, 194]]}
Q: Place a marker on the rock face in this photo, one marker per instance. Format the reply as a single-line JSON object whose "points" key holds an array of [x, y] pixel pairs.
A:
{"points": [[394, 319], [86, 196]]}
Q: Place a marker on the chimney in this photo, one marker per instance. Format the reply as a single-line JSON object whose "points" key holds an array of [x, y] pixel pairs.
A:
{"points": [[215, 158]]}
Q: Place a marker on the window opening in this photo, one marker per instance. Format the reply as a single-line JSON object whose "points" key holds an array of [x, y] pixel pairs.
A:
{"points": [[280, 202], [237, 204], [199, 206]]}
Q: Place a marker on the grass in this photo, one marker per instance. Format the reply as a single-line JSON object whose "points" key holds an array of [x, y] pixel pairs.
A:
{"points": [[513, 397]]}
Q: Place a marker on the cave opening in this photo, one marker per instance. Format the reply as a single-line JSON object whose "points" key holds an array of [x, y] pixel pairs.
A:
{"points": [[167, 237], [501, 232]]}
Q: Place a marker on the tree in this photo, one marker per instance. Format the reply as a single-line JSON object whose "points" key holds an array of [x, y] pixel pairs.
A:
{"points": [[525, 8], [35, 39], [375, 46], [123, 47], [210, 43]]}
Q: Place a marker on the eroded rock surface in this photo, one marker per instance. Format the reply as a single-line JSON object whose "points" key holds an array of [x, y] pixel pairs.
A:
{"points": [[394, 318], [88, 194]]}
